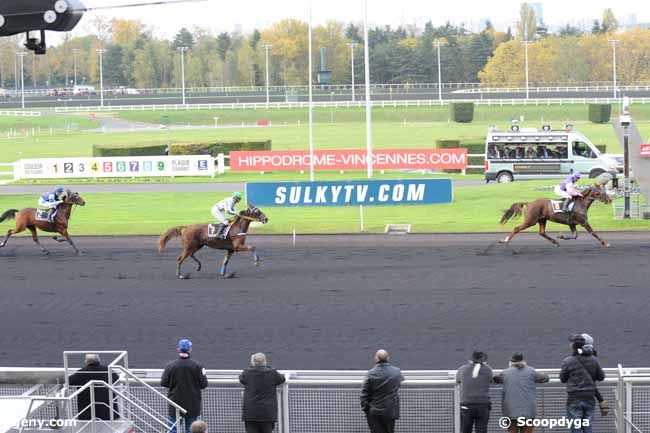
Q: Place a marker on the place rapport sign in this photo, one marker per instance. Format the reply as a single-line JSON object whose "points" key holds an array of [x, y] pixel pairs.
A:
{"points": [[351, 159], [352, 193], [127, 166]]}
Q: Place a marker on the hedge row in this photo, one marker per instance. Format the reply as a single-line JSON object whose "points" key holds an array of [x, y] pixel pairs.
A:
{"points": [[600, 113], [462, 112], [215, 148], [134, 150], [206, 148]]}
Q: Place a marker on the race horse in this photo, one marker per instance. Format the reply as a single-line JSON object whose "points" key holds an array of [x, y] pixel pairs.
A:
{"points": [[197, 236], [26, 219], [540, 211]]}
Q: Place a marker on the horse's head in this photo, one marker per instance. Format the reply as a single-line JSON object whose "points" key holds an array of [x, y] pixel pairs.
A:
{"points": [[255, 214], [74, 198], [597, 192]]}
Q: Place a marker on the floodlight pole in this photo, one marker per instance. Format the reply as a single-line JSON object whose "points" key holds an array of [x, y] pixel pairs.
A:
{"points": [[101, 52], [625, 123], [614, 42], [352, 45], [366, 52], [182, 50], [438, 44], [74, 55], [22, 54], [311, 104], [526, 43], [266, 49]]}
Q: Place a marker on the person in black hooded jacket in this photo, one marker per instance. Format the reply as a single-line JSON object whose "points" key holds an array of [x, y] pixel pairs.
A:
{"points": [[580, 371], [94, 370], [380, 394], [260, 401]]}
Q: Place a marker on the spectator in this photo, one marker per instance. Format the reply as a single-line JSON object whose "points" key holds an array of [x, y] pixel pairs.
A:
{"points": [[380, 394], [589, 345], [260, 402], [580, 371], [475, 405], [199, 426], [519, 392], [94, 370], [185, 379]]}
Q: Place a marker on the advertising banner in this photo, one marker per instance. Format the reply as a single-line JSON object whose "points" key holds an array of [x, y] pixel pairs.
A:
{"points": [[353, 159], [352, 193], [127, 166], [645, 150]]}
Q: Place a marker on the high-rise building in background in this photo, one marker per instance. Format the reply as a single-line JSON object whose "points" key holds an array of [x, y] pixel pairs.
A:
{"points": [[539, 12]]}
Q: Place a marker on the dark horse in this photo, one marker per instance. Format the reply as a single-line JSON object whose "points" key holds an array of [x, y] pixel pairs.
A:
{"points": [[540, 211], [26, 220], [195, 237]]}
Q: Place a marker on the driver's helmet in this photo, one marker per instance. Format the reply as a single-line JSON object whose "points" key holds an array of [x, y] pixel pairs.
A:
{"points": [[61, 192], [238, 195], [577, 175]]}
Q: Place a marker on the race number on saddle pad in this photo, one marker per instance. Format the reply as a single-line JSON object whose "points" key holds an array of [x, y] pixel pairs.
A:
{"points": [[557, 206], [42, 214]]}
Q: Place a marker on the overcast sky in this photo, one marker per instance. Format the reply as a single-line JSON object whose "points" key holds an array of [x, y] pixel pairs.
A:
{"points": [[228, 15]]}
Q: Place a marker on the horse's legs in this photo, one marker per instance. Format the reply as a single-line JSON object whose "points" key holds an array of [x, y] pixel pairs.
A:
{"points": [[4, 242], [198, 263], [542, 233], [517, 229], [179, 260], [224, 264], [35, 238], [591, 231], [67, 238], [252, 249], [574, 232]]}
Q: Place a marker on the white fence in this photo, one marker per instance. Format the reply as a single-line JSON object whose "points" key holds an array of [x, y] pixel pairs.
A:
{"points": [[347, 104], [21, 113]]}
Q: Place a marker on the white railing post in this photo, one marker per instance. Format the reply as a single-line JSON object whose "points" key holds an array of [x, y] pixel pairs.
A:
{"points": [[457, 409]]}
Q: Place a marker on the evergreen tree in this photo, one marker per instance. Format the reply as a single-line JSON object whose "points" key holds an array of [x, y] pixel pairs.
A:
{"points": [[183, 39]]}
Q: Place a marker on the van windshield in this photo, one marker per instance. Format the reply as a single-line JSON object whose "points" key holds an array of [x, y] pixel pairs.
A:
{"points": [[581, 148]]}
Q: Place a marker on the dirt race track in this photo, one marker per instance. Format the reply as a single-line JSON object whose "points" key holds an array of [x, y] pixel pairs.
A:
{"points": [[330, 301]]}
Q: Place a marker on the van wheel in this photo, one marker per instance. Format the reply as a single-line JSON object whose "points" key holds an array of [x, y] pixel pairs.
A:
{"points": [[595, 173], [505, 177]]}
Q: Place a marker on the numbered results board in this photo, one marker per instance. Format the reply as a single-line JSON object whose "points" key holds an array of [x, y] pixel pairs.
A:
{"points": [[142, 166]]}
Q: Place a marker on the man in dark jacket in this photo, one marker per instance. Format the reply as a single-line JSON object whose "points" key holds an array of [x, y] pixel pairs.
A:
{"points": [[185, 379], [380, 394], [94, 370], [260, 402], [580, 371], [475, 405]]}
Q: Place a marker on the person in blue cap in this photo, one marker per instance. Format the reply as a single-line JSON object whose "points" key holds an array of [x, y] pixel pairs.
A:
{"points": [[52, 200], [185, 378], [568, 190], [226, 206]]}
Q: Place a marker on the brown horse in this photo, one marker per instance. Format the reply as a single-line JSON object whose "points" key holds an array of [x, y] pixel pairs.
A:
{"points": [[195, 237], [540, 211], [26, 220]]}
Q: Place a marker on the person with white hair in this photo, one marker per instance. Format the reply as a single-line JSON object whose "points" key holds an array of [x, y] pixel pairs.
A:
{"points": [[93, 370], [260, 402]]}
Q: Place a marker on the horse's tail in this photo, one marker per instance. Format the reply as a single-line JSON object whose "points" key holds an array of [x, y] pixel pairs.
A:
{"points": [[514, 211], [8, 215], [168, 235]]}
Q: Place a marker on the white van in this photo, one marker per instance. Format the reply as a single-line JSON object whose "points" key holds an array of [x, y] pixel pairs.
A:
{"points": [[529, 153], [83, 90]]}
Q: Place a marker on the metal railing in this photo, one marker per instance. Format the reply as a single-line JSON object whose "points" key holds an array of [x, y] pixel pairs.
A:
{"points": [[20, 113], [348, 104], [328, 401]]}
